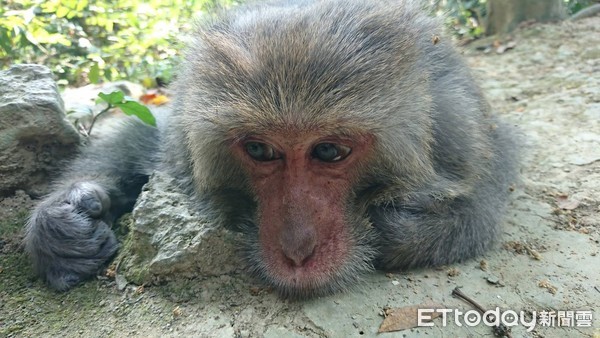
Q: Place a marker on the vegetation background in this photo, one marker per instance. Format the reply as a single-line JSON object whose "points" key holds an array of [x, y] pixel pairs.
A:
{"points": [[91, 41]]}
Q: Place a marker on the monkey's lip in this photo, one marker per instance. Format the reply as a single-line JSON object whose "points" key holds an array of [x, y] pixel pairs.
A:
{"points": [[309, 267], [310, 276]]}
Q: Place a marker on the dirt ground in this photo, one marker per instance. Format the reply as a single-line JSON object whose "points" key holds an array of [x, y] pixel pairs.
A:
{"points": [[548, 259]]}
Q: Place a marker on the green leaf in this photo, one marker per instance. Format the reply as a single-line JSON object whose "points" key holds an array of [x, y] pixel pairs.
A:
{"points": [[5, 41], [81, 5], [113, 98], [94, 74], [62, 12], [108, 74], [139, 110], [129, 106]]}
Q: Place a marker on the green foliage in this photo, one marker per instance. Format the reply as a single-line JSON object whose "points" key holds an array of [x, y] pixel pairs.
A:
{"points": [[463, 17], [92, 41], [128, 105], [574, 6], [89, 41]]}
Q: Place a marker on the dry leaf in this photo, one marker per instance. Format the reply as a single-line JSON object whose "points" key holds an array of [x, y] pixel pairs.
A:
{"points": [[147, 97], [154, 98], [404, 318], [501, 48], [111, 271], [546, 285], [453, 272], [533, 253], [483, 265], [563, 202], [158, 100]]}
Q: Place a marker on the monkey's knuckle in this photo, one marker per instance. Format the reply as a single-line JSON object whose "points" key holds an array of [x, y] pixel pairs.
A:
{"points": [[91, 204]]}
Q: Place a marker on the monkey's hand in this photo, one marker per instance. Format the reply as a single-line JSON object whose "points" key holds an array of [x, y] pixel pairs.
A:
{"points": [[68, 236]]}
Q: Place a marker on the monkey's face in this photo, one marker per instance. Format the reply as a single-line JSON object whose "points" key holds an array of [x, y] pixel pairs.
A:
{"points": [[307, 238]]}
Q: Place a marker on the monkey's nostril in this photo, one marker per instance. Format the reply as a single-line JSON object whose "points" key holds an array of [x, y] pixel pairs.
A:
{"points": [[308, 258], [299, 256]]}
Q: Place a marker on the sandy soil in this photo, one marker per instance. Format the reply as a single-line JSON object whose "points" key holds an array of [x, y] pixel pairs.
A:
{"points": [[548, 259]]}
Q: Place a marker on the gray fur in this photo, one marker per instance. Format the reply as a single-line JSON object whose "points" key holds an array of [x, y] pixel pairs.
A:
{"points": [[435, 191], [68, 234]]}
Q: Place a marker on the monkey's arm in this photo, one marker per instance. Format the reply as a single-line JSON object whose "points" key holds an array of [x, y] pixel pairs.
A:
{"points": [[434, 227], [430, 232], [68, 235]]}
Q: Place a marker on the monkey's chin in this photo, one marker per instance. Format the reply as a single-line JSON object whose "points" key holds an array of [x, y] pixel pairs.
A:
{"points": [[310, 281]]}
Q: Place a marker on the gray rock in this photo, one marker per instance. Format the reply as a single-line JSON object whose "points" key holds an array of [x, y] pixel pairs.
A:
{"points": [[35, 136], [167, 239]]}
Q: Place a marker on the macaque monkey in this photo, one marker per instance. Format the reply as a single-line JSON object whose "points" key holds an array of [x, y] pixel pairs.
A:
{"points": [[336, 135]]}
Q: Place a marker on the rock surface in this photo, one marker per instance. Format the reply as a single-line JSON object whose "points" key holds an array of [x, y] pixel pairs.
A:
{"points": [[167, 239], [34, 134]]}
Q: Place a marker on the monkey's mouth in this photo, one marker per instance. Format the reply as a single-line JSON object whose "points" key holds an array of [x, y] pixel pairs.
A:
{"points": [[321, 274]]}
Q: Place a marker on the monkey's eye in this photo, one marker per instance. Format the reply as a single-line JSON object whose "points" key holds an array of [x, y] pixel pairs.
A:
{"points": [[261, 151], [330, 152]]}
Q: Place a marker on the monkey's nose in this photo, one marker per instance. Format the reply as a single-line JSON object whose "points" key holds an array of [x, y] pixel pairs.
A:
{"points": [[298, 245], [300, 256]]}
